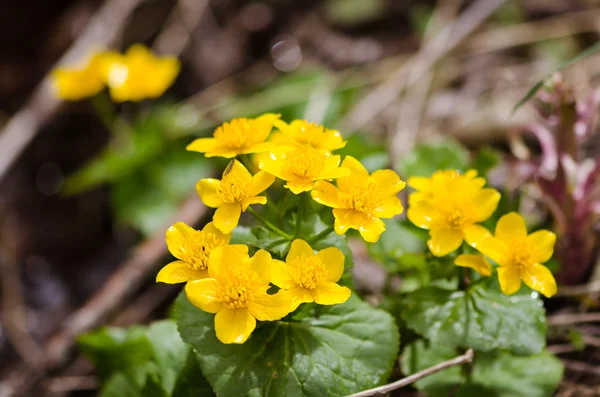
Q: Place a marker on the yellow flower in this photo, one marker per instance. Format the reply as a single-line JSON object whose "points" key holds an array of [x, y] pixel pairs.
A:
{"points": [[73, 84], [360, 201], [475, 262], [310, 277], [238, 136], [301, 132], [192, 248], [450, 205], [301, 166], [233, 194], [520, 256], [138, 74], [237, 292]]}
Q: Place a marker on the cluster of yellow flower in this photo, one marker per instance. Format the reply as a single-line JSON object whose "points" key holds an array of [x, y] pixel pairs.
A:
{"points": [[133, 76], [222, 278], [451, 205]]}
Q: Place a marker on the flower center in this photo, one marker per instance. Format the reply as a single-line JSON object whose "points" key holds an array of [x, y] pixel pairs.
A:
{"points": [[198, 248], [522, 254], [357, 194], [233, 188], [236, 292], [308, 271], [235, 133], [305, 162]]}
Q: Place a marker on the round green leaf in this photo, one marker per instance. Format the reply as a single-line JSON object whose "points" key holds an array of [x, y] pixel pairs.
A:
{"points": [[342, 350]]}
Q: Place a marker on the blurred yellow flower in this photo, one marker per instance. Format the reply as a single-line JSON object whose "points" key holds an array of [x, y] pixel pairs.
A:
{"points": [[237, 292], [520, 256], [238, 136], [360, 201], [192, 248], [233, 194], [302, 132], [75, 83], [301, 166], [475, 262], [139, 74], [450, 205], [310, 277]]}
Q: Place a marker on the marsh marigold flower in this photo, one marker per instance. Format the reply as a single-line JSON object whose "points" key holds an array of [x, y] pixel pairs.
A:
{"points": [[238, 136], [360, 200], [301, 166], [237, 292], [450, 205], [192, 248], [75, 83], [475, 262], [139, 74], [302, 132], [233, 194], [310, 277], [520, 256]]}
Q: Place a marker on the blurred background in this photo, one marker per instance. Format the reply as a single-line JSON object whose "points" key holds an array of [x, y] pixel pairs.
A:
{"points": [[82, 222]]}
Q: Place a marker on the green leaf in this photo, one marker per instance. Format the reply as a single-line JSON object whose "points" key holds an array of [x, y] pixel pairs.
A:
{"points": [[191, 382], [271, 242], [242, 235], [424, 160], [477, 318], [114, 349], [485, 160], [342, 350], [135, 382], [400, 247], [368, 150], [494, 374], [169, 351], [531, 93]]}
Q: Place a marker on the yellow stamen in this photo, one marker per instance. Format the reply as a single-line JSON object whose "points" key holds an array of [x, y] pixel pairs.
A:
{"points": [[236, 133], [236, 292], [198, 248], [307, 271], [233, 188], [305, 162]]}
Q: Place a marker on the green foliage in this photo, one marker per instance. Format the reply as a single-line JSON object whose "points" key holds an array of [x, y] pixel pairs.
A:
{"points": [[496, 373], [343, 349], [143, 361], [484, 160], [401, 247], [369, 151], [424, 160], [354, 12], [478, 318]]}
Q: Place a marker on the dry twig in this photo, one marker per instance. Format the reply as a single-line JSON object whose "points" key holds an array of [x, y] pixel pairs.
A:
{"points": [[381, 390], [574, 318]]}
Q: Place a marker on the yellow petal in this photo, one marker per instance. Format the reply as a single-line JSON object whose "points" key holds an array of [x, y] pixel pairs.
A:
{"points": [[179, 272], [210, 228], [208, 191], [280, 275], [227, 216], [444, 241], [260, 182], [495, 249], [325, 193], [299, 185], [234, 325], [485, 203], [420, 183], [542, 242], [177, 237], [204, 294], [237, 170], [332, 170], [334, 262], [510, 227], [267, 307], [475, 262], [370, 228], [227, 256], [299, 248], [261, 264], [260, 148], [475, 235], [388, 207], [510, 280], [386, 182], [355, 167], [264, 125], [273, 164], [539, 278], [246, 202], [328, 293], [421, 214], [210, 146], [298, 296]]}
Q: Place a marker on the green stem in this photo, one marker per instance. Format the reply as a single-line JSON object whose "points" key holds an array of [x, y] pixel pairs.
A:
{"points": [[269, 225], [109, 117], [300, 213], [320, 236]]}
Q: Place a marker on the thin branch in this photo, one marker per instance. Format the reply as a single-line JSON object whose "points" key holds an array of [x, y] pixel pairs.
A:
{"points": [[381, 390], [102, 31], [62, 384], [579, 366], [589, 288], [575, 318], [179, 27]]}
